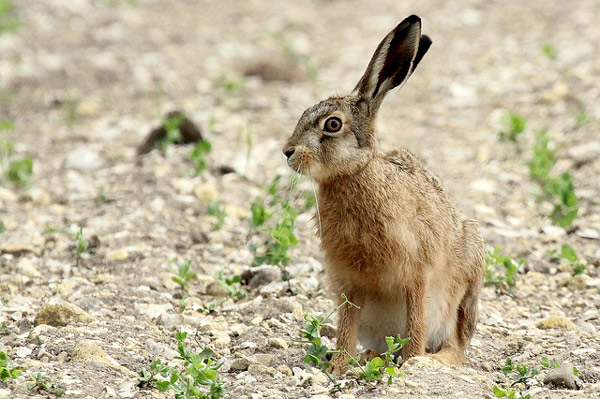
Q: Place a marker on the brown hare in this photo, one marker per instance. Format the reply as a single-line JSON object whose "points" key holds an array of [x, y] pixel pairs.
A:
{"points": [[393, 242]]}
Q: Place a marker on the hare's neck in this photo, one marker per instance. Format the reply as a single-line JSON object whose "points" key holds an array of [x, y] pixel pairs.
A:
{"points": [[354, 192]]}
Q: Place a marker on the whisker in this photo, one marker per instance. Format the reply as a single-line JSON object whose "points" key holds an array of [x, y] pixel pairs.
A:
{"points": [[312, 184]]}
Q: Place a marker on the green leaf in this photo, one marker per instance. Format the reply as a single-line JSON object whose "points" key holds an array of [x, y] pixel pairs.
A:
{"points": [[19, 172], [568, 253], [508, 367], [498, 392], [163, 386]]}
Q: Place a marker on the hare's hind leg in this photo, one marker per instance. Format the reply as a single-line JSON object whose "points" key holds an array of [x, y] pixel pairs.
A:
{"points": [[453, 351]]}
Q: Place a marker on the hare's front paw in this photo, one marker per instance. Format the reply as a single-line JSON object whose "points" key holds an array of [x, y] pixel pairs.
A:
{"points": [[339, 364]]}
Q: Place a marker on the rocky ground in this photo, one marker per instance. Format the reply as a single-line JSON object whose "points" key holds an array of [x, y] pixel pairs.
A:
{"points": [[84, 81]]}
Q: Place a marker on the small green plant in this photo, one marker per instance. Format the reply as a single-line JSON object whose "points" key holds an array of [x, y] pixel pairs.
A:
{"points": [[317, 351], [171, 125], [184, 274], [217, 210], [42, 383], [509, 394], [543, 158], [260, 215], [199, 153], [19, 172], [8, 22], [547, 364], [7, 372], [568, 254], [519, 372], [233, 285], [80, 244], [2, 228], [549, 51], [378, 366], [231, 85], [281, 237], [581, 118], [514, 125], [557, 190], [197, 379], [501, 270]]}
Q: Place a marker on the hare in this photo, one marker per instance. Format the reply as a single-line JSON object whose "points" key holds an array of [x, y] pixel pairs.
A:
{"points": [[393, 242]]}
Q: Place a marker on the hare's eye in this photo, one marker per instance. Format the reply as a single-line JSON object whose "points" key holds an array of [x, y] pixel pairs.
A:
{"points": [[333, 124]]}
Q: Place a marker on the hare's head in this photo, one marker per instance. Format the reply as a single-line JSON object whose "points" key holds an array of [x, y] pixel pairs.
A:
{"points": [[337, 136]]}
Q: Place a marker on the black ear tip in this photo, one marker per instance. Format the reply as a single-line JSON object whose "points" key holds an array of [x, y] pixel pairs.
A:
{"points": [[412, 19], [425, 42]]}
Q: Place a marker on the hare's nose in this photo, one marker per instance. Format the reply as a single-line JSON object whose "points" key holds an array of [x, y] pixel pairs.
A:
{"points": [[289, 152]]}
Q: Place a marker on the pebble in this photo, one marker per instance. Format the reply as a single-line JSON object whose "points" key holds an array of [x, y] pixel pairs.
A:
{"points": [[562, 377], [58, 313], [552, 233], [590, 234], [240, 364], [216, 289], [117, 255], [83, 159], [555, 322], [206, 192], [278, 343], [261, 275], [27, 268]]}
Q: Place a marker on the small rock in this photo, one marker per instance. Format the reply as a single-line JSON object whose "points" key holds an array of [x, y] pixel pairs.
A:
{"points": [[170, 320], [552, 233], [216, 289], [19, 249], [285, 370], [23, 352], [562, 377], [590, 234], [206, 192], [261, 358], [153, 310], [117, 255], [420, 362], [278, 343], [587, 327], [240, 364], [83, 159], [27, 268], [261, 275], [256, 368], [60, 313], [585, 153], [88, 350], [555, 322], [484, 185]]}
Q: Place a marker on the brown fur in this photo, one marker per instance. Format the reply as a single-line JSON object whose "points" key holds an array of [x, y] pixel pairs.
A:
{"points": [[391, 237]]}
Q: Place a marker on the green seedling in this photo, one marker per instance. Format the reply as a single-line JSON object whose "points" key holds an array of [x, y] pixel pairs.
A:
{"points": [[558, 190], [7, 372], [549, 51], [547, 364], [2, 228], [171, 125], [568, 254], [260, 215], [4, 328], [520, 372], [317, 351], [501, 270], [231, 86], [514, 125], [581, 118], [42, 383], [384, 364], [509, 394], [217, 210], [199, 153], [19, 172], [8, 22], [233, 285], [80, 244], [197, 379], [184, 275]]}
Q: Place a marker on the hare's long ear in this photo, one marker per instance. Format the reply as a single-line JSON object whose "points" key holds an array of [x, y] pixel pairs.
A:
{"points": [[395, 59]]}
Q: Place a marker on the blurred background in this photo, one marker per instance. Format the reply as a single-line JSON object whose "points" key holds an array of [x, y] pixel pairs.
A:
{"points": [[505, 107]]}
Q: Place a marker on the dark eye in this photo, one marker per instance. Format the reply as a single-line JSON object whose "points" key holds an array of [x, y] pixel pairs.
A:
{"points": [[333, 124]]}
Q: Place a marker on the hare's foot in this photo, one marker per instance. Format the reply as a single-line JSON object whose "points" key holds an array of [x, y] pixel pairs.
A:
{"points": [[449, 356], [339, 364], [368, 355]]}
